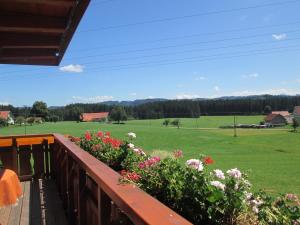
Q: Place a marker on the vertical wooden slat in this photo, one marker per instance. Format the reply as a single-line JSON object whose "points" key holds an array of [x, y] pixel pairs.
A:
{"points": [[81, 196], [24, 161], [47, 159], [6, 157], [15, 156], [38, 157], [104, 208]]}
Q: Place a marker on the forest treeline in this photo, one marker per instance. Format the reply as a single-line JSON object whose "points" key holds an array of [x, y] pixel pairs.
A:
{"points": [[251, 105]]}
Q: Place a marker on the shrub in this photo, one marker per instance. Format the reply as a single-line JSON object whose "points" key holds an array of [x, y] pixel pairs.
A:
{"points": [[20, 120], [3, 122], [201, 196], [176, 123], [166, 122], [30, 120]]}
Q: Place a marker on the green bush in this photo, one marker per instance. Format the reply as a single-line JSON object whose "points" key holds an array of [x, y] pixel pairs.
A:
{"points": [[3, 122]]}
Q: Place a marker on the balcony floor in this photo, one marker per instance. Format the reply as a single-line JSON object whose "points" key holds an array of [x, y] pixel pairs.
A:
{"points": [[40, 205]]}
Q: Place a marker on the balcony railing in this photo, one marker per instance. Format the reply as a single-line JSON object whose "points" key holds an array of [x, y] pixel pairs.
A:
{"points": [[90, 191]]}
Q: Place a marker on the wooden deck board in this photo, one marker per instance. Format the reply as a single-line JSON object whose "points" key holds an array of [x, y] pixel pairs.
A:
{"points": [[40, 205]]}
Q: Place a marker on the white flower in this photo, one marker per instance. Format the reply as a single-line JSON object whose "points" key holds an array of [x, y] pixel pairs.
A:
{"points": [[195, 163], [255, 209], [256, 202], [130, 145], [235, 173], [248, 195], [218, 185], [136, 150], [131, 135], [219, 174], [139, 151]]}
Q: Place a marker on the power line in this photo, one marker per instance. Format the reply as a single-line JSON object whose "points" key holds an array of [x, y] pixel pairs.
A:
{"points": [[167, 19], [193, 35], [149, 49], [189, 60]]}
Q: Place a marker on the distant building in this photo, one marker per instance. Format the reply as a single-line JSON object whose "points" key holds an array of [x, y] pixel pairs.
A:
{"points": [[7, 115], [288, 117], [275, 120], [92, 117], [296, 113]]}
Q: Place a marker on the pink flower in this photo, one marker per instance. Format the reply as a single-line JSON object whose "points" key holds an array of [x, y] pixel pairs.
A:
{"points": [[149, 162], [178, 154], [107, 134], [195, 163]]}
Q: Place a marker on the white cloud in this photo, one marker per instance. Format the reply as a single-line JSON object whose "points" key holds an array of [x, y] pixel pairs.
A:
{"points": [[4, 103], [275, 91], [150, 97], [72, 68], [186, 96], [279, 37], [133, 94], [94, 99], [251, 75], [200, 78], [216, 88]]}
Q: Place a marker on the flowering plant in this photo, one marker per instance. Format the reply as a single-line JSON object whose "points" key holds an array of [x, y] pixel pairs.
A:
{"points": [[201, 195]]}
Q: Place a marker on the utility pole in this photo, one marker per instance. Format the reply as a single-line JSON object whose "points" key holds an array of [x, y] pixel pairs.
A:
{"points": [[234, 126]]}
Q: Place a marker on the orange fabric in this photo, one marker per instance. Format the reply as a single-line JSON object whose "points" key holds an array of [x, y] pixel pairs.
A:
{"points": [[10, 188]]}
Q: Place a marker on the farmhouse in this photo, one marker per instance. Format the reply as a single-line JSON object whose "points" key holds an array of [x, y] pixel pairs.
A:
{"points": [[275, 120], [288, 117], [7, 115], [92, 117], [296, 113]]}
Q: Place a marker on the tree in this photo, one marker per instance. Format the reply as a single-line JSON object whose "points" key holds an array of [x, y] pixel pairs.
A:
{"points": [[20, 120], [295, 124], [30, 120], [176, 123], [166, 122], [39, 109], [3, 122], [54, 118], [118, 114], [267, 109]]}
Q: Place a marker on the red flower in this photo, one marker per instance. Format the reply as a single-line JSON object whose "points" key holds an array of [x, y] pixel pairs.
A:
{"points": [[178, 154], [208, 160], [133, 176], [100, 134], [107, 134], [88, 136]]}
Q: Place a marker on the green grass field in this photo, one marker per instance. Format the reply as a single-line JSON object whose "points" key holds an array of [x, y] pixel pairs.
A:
{"points": [[272, 156]]}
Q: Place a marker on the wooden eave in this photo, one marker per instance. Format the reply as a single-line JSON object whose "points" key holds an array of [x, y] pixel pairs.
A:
{"points": [[37, 32]]}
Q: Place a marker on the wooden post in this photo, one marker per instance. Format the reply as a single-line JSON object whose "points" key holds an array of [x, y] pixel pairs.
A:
{"points": [[15, 156], [81, 196]]}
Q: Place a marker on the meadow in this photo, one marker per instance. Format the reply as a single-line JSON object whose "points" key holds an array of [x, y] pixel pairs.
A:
{"points": [[270, 156]]}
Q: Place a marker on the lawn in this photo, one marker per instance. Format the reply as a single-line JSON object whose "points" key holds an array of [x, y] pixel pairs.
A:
{"points": [[271, 156]]}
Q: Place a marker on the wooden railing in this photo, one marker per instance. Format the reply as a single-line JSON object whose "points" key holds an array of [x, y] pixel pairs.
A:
{"points": [[90, 191]]}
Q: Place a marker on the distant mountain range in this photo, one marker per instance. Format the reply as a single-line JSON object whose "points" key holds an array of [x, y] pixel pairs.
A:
{"points": [[135, 102]]}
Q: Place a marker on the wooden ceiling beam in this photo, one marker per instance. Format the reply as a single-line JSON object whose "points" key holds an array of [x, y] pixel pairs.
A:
{"points": [[63, 3], [31, 24], [50, 61], [11, 53], [9, 40]]}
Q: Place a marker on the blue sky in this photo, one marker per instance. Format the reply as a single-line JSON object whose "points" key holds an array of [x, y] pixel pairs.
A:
{"points": [[135, 49]]}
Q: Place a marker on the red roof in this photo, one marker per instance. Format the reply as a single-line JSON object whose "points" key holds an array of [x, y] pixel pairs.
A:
{"points": [[272, 116], [297, 110], [4, 114], [87, 117], [283, 113]]}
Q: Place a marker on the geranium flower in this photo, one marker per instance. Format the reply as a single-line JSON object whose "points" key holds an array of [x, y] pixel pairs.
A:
{"points": [[131, 135], [100, 134], [88, 136], [208, 160], [139, 151], [235, 173], [219, 174], [149, 162], [107, 134], [132, 176], [218, 185], [178, 154], [130, 145], [195, 163]]}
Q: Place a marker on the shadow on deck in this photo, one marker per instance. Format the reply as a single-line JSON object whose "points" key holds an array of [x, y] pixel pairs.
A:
{"points": [[40, 205]]}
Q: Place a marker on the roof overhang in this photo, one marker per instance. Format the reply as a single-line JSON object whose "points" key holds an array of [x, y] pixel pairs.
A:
{"points": [[37, 32]]}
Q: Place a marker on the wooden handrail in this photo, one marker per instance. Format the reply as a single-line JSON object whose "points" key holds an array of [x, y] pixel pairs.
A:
{"points": [[140, 207]]}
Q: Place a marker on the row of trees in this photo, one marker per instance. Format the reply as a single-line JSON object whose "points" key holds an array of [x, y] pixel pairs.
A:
{"points": [[164, 109]]}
